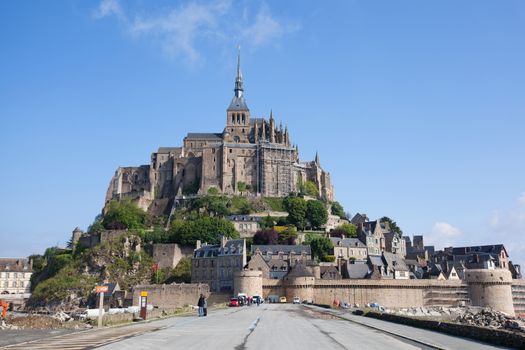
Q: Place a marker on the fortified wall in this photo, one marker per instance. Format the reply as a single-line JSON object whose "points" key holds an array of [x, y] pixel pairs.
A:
{"points": [[171, 296], [486, 288]]}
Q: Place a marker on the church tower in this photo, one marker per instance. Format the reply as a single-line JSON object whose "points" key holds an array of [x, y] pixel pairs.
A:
{"points": [[238, 114]]}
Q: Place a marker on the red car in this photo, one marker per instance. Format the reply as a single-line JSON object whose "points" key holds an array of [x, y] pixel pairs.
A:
{"points": [[234, 302]]}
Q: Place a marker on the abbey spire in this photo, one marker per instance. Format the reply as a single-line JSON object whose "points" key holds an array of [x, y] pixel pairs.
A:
{"points": [[238, 103]]}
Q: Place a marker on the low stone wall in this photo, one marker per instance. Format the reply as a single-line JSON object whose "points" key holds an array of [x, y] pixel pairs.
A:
{"points": [[171, 296], [493, 336], [110, 320]]}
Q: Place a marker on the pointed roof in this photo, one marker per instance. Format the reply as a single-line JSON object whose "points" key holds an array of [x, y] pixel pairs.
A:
{"points": [[317, 161], [238, 103]]}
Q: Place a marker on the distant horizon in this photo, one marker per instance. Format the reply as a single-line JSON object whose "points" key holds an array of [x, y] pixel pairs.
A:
{"points": [[416, 109]]}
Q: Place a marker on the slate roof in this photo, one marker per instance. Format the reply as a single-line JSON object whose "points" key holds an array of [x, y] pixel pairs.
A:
{"points": [[243, 218], [347, 242], [238, 104], [395, 262], [232, 247], [357, 271], [204, 136], [376, 260], [300, 270], [493, 249], [285, 249], [277, 264]]}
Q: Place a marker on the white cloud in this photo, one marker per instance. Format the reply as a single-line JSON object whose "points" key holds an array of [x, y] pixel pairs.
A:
{"points": [[108, 8], [180, 31], [521, 200], [266, 29], [443, 235]]}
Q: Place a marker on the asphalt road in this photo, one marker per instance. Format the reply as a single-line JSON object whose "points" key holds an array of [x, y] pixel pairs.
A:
{"points": [[274, 326], [269, 326]]}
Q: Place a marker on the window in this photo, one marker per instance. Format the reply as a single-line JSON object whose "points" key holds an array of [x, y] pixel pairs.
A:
{"points": [[230, 150]]}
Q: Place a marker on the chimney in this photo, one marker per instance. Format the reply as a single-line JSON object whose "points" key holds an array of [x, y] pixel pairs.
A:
{"points": [[198, 244]]}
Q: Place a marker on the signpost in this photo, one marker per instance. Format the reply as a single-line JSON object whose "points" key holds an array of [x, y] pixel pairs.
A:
{"points": [[100, 290], [143, 304]]}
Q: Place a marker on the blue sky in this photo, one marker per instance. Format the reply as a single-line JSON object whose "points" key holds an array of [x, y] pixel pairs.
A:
{"points": [[416, 107]]}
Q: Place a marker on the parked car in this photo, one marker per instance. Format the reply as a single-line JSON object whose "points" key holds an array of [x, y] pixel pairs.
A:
{"points": [[296, 300], [258, 297], [282, 299], [234, 302]]}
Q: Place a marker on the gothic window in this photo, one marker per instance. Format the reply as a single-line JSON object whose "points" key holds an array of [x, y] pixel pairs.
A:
{"points": [[236, 139], [233, 119], [243, 131], [213, 151]]}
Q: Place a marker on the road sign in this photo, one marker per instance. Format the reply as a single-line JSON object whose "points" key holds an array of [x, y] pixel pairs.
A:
{"points": [[101, 289]]}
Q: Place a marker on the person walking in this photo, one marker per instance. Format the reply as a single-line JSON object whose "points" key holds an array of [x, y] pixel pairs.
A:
{"points": [[200, 304], [205, 307]]}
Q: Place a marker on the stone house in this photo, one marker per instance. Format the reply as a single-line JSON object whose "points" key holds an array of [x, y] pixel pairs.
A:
{"points": [[15, 276], [497, 251], [395, 243], [216, 265], [330, 273], [395, 266], [371, 233], [246, 225], [333, 222], [348, 249]]}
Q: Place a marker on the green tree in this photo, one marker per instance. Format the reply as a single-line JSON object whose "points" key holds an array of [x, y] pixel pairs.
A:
{"points": [[213, 191], [241, 186], [207, 229], [337, 209], [349, 230], [321, 247], [181, 273], [267, 222], [124, 215], [310, 189], [316, 213], [240, 205], [393, 225], [288, 235], [296, 208]]}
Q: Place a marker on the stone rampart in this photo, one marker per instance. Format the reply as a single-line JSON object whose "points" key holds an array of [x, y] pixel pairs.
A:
{"points": [[170, 296], [487, 288], [518, 296], [248, 282], [491, 288]]}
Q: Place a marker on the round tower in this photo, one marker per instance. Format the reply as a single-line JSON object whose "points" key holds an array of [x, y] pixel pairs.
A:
{"points": [[491, 288], [248, 282], [301, 287]]}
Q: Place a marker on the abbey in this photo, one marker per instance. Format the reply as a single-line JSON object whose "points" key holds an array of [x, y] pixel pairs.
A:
{"points": [[251, 155]]}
